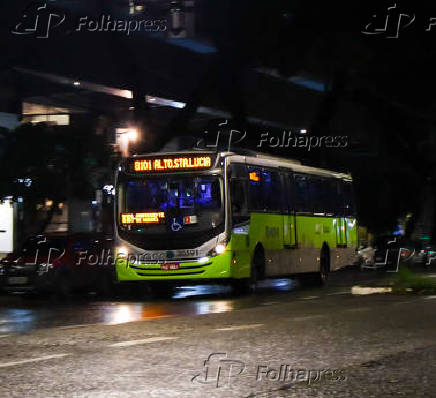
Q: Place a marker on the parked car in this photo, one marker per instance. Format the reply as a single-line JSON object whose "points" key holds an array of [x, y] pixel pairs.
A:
{"points": [[366, 255], [59, 265]]}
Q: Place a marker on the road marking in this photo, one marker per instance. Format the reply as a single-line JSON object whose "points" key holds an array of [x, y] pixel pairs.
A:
{"points": [[336, 294], [429, 297], [309, 298], [4, 335], [45, 358], [241, 327], [270, 302], [358, 309], [307, 318], [129, 343]]}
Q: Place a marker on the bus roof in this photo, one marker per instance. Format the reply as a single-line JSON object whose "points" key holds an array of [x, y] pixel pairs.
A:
{"points": [[294, 165]]}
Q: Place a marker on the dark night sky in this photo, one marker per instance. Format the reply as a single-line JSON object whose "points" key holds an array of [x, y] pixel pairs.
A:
{"points": [[379, 89]]}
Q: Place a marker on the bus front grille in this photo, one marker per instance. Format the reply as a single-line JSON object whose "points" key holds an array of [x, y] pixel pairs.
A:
{"points": [[169, 274], [182, 268]]}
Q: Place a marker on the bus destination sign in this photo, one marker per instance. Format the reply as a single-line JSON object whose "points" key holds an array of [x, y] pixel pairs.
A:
{"points": [[171, 163]]}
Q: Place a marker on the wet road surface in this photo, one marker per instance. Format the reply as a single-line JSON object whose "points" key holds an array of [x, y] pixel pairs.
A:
{"points": [[23, 314], [285, 341]]}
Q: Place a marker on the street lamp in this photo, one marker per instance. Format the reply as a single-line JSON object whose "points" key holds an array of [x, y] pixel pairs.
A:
{"points": [[125, 136]]}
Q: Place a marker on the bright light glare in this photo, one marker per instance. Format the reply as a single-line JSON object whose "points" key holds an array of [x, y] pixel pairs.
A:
{"points": [[203, 259], [122, 251], [220, 248], [132, 134]]}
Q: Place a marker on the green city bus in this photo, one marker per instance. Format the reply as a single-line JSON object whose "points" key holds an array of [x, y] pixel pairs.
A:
{"points": [[202, 216]]}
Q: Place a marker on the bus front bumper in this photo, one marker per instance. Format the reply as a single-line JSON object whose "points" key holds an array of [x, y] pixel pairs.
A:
{"points": [[211, 268]]}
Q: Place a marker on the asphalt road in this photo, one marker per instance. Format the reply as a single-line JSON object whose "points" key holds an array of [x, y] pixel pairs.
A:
{"points": [[285, 341]]}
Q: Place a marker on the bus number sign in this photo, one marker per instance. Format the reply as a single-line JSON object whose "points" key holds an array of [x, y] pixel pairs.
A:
{"points": [[142, 218]]}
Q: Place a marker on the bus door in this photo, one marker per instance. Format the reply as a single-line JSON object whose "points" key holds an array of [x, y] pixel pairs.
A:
{"points": [[341, 233], [289, 219], [342, 208]]}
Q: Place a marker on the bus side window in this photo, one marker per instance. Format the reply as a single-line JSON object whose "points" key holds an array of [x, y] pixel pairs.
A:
{"points": [[255, 189], [336, 197], [322, 195], [302, 200], [331, 189], [346, 199], [238, 192], [348, 203], [238, 170], [316, 194], [288, 179], [272, 191]]}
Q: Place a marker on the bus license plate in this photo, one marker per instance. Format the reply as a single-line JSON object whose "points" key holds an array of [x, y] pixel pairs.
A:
{"points": [[18, 280], [170, 266]]}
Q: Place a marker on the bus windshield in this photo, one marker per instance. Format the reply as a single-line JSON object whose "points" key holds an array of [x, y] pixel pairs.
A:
{"points": [[172, 205]]}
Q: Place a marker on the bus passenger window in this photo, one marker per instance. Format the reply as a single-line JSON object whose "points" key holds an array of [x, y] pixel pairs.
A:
{"points": [[272, 191], [301, 194], [347, 198], [238, 191], [255, 189], [321, 195], [315, 193]]}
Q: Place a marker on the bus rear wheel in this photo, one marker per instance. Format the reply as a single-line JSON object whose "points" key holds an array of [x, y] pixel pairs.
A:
{"points": [[319, 279]]}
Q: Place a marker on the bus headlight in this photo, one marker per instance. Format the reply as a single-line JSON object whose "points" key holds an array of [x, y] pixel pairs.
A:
{"points": [[220, 248], [122, 251]]}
